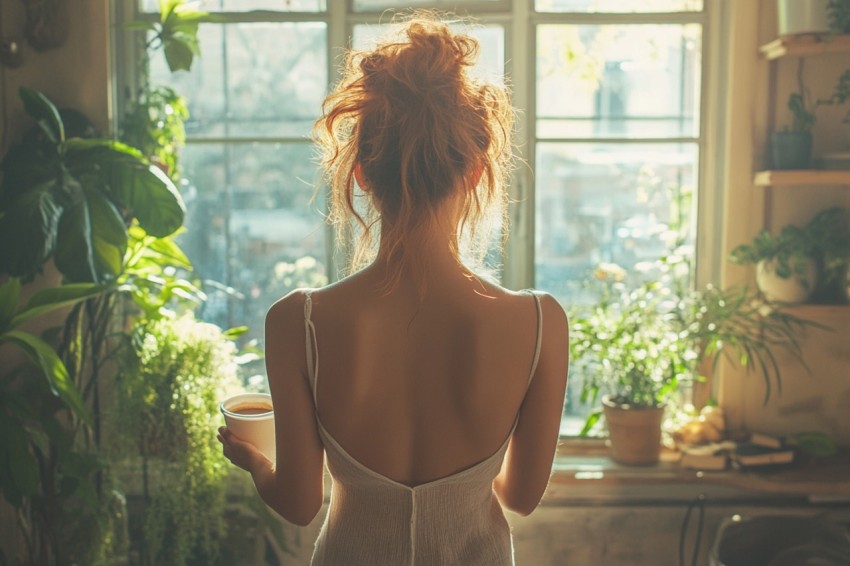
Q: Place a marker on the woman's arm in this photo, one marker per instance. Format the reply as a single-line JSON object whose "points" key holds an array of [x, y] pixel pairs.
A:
{"points": [[293, 486], [528, 463]]}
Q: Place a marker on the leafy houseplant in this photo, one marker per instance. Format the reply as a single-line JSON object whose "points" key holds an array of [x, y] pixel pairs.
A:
{"points": [[46, 473], [786, 268], [792, 147], [169, 387], [72, 199], [638, 347], [813, 260]]}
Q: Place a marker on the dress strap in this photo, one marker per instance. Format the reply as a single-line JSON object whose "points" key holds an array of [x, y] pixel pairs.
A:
{"points": [[539, 342], [312, 344]]}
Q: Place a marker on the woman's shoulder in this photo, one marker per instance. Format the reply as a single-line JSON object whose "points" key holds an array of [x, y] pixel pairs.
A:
{"points": [[289, 305], [547, 300]]}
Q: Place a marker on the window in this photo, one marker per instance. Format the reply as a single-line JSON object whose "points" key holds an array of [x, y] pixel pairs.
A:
{"points": [[611, 94]]}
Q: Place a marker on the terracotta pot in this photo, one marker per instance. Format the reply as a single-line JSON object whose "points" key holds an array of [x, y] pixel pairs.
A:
{"points": [[634, 434], [791, 290]]}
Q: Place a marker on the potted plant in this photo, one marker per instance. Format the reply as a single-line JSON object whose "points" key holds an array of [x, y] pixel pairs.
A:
{"points": [[829, 232], [791, 147], [638, 347], [786, 270]]}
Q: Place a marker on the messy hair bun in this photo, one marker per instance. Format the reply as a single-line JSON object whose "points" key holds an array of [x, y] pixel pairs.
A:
{"points": [[421, 129]]}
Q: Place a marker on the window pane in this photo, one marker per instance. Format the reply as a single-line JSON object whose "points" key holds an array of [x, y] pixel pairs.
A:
{"points": [[491, 55], [617, 203], [619, 6], [618, 81], [251, 227], [246, 5], [266, 79], [374, 5]]}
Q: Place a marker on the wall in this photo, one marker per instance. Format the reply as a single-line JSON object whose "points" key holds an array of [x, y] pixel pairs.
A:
{"points": [[810, 400], [75, 75]]}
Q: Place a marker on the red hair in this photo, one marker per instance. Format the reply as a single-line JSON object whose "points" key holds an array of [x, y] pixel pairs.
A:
{"points": [[422, 130]]}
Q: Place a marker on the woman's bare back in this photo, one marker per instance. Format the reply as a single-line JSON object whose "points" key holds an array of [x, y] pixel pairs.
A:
{"points": [[418, 391]]}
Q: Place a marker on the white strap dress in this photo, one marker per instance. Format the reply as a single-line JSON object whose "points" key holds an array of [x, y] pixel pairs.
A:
{"points": [[373, 520]]}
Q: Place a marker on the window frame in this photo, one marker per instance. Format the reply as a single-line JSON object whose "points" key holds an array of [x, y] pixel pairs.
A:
{"points": [[520, 22]]}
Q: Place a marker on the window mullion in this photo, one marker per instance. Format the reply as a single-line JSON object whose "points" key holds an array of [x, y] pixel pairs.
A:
{"points": [[519, 250]]}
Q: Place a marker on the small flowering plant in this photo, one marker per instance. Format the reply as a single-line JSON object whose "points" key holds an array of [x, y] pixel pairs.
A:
{"points": [[638, 344]]}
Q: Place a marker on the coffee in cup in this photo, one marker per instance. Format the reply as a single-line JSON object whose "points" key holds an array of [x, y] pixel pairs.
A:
{"points": [[250, 417]]}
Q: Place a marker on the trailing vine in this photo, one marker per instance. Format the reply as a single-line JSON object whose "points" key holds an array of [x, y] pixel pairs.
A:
{"points": [[169, 387]]}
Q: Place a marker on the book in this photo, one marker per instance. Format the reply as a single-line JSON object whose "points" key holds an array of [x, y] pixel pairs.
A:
{"points": [[748, 454], [708, 457], [767, 440]]}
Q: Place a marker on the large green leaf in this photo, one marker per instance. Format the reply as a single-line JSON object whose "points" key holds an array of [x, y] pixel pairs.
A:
{"points": [[9, 293], [52, 298], [46, 114], [28, 230], [95, 150], [180, 51], [143, 189], [92, 239], [46, 359], [26, 165], [154, 201]]}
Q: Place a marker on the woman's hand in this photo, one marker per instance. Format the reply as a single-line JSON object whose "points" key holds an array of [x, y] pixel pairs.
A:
{"points": [[240, 453]]}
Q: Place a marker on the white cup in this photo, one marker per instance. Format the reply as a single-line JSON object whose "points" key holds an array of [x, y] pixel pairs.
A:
{"points": [[255, 427]]}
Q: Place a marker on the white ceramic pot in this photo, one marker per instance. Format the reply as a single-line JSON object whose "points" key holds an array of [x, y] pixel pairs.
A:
{"points": [[802, 16], [781, 290]]}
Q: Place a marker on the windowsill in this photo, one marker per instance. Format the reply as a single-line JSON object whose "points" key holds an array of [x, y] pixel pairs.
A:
{"points": [[584, 474]]}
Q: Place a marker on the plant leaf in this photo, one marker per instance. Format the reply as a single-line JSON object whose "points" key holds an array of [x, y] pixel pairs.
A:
{"points": [[9, 293], [235, 332], [46, 114], [52, 298], [46, 359], [28, 230], [134, 184], [180, 52], [169, 250], [92, 239], [24, 470], [26, 165], [591, 421]]}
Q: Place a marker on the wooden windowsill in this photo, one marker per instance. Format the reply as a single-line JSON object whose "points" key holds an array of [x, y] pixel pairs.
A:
{"points": [[583, 471]]}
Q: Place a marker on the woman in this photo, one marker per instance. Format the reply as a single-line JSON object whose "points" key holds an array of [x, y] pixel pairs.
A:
{"points": [[439, 397]]}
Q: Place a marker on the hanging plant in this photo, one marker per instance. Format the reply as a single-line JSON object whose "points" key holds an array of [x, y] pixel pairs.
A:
{"points": [[176, 32]]}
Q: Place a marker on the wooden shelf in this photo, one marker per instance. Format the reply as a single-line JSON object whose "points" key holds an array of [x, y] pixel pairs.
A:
{"points": [[802, 177], [803, 45]]}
